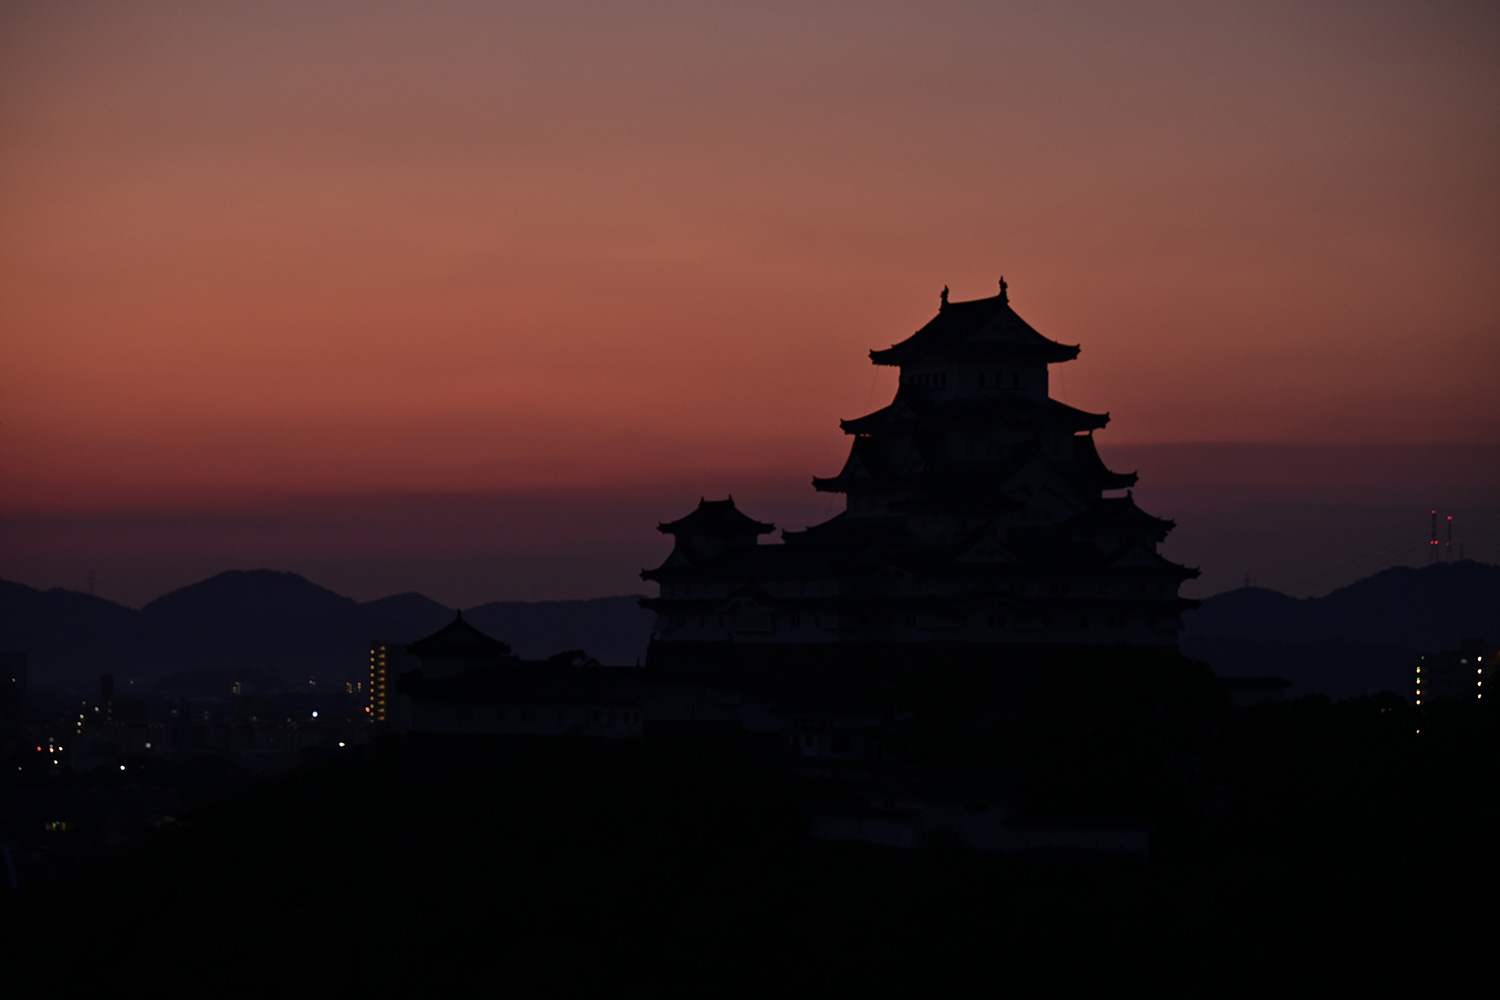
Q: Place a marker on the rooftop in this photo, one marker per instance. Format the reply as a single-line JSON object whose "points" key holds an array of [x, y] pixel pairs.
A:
{"points": [[458, 640], [976, 331], [906, 410], [716, 517]]}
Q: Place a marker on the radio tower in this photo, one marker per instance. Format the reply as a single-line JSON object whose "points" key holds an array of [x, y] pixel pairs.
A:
{"points": [[1432, 541], [1449, 554]]}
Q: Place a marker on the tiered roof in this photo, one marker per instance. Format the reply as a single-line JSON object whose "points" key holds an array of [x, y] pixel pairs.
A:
{"points": [[715, 517], [976, 331], [458, 640], [1013, 508], [1089, 462], [910, 409]]}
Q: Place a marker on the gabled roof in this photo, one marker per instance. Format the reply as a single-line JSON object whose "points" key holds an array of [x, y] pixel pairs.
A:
{"points": [[676, 561], [1122, 513], [1007, 409], [872, 460], [977, 331], [1125, 508], [1140, 557], [1092, 466], [458, 640], [715, 517]]}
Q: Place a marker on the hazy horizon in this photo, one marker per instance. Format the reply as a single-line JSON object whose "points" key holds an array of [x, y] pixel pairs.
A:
{"points": [[1331, 515], [263, 269]]}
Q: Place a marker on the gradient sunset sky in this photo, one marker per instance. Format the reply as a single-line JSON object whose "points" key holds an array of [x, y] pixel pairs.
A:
{"points": [[256, 257]]}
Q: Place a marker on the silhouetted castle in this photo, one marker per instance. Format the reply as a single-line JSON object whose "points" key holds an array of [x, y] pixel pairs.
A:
{"points": [[978, 516]]}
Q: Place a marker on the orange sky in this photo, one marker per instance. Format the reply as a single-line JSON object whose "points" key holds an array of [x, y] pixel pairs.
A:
{"points": [[307, 248]]}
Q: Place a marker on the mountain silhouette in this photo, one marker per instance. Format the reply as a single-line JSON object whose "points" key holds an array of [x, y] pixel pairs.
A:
{"points": [[1358, 639], [409, 615], [263, 623]]}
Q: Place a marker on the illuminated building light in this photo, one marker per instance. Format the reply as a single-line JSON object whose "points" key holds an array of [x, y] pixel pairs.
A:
{"points": [[341, 744], [1419, 701], [315, 713], [122, 767], [148, 746]]}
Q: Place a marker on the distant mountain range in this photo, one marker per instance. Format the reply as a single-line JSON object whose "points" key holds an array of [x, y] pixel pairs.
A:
{"points": [[1358, 639], [281, 627]]}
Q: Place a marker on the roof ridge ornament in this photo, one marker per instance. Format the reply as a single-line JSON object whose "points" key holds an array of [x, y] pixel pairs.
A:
{"points": [[943, 299], [1004, 291]]}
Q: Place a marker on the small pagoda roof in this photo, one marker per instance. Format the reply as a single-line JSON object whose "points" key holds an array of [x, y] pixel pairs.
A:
{"points": [[906, 410], [976, 331], [716, 517], [458, 640]]}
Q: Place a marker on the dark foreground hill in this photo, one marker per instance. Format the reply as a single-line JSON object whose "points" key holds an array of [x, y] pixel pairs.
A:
{"points": [[590, 869], [1358, 639]]}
